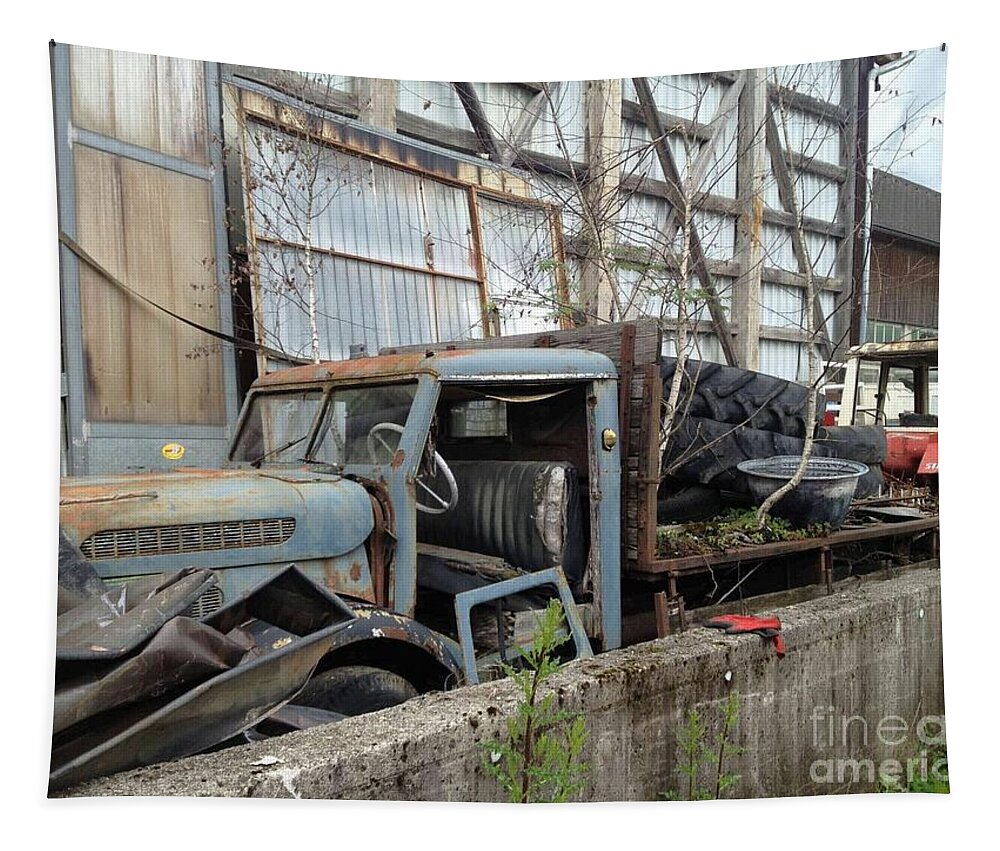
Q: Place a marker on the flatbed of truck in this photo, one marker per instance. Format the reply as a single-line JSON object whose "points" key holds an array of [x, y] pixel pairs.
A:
{"points": [[672, 568]]}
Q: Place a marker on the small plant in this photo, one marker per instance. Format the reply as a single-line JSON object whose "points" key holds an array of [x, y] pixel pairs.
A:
{"points": [[935, 781], [540, 760], [730, 530], [700, 755]]}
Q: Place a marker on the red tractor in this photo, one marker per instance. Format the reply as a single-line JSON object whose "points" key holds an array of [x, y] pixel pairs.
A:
{"points": [[895, 385]]}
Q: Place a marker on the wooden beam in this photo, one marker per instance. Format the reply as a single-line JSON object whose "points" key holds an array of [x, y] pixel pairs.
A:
{"points": [[786, 191], [672, 124], [477, 118], [602, 140], [723, 206], [300, 87], [376, 102], [831, 112], [846, 213], [670, 171], [750, 173], [696, 174], [520, 135]]}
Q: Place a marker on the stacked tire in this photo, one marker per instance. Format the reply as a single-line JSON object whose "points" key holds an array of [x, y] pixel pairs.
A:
{"points": [[866, 444], [726, 415]]}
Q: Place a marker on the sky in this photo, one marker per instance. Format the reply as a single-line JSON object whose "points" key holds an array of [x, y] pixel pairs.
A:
{"points": [[906, 122]]}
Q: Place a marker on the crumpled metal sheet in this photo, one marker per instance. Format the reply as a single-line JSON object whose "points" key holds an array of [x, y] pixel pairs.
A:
{"points": [[174, 690], [117, 620], [182, 651], [78, 580]]}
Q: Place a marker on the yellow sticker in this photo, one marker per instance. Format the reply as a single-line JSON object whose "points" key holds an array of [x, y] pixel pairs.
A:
{"points": [[173, 451]]}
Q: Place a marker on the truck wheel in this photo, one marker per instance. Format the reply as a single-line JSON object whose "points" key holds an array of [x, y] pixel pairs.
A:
{"points": [[355, 690], [707, 452], [856, 443], [870, 484], [741, 397], [681, 503]]}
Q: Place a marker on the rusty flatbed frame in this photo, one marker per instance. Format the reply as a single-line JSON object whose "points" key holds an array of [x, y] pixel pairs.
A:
{"points": [[672, 568]]}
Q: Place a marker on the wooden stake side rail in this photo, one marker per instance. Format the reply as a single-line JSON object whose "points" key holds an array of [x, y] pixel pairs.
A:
{"points": [[687, 565]]}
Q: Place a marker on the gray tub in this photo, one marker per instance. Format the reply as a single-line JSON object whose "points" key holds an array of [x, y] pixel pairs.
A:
{"points": [[823, 496]]}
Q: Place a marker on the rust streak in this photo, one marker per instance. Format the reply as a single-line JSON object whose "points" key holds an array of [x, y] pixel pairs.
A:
{"points": [[398, 457]]}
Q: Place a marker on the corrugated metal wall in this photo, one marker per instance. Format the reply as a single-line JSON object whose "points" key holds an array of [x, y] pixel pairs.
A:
{"points": [[411, 242], [399, 255], [812, 121]]}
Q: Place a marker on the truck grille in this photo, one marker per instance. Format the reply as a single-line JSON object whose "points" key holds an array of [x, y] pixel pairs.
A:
{"points": [[192, 538], [207, 604]]}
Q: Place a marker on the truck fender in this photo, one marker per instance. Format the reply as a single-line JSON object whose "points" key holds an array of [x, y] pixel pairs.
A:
{"points": [[399, 644]]}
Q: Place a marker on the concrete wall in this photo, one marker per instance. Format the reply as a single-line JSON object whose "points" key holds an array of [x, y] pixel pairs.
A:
{"points": [[860, 656]]}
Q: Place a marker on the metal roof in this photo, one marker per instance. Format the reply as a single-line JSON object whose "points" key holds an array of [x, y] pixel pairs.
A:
{"points": [[907, 209], [538, 364]]}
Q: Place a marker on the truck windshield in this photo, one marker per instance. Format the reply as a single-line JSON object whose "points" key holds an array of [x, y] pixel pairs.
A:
{"points": [[352, 425]]}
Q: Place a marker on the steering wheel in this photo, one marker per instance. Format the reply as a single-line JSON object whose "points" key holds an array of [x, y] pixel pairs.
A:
{"points": [[443, 504]]}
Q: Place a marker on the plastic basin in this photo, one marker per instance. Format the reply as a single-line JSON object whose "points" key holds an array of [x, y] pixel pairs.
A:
{"points": [[823, 496]]}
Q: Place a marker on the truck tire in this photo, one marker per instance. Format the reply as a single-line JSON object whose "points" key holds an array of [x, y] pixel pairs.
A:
{"points": [[856, 443], [679, 502], [355, 690], [706, 452], [870, 484], [736, 396]]}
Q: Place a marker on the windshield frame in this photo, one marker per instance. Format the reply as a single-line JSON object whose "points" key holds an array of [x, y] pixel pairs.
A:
{"points": [[313, 434]]}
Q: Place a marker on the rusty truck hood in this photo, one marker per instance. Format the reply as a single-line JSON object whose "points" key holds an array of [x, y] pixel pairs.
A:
{"points": [[198, 515]]}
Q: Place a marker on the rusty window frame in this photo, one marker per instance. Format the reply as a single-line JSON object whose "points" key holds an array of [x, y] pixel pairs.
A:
{"points": [[473, 191]]}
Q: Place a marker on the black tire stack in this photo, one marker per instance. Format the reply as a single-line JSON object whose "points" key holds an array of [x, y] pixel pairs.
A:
{"points": [[726, 415], [858, 443]]}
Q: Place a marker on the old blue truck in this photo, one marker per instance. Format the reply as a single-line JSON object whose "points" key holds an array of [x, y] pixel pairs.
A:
{"points": [[446, 492], [404, 483]]}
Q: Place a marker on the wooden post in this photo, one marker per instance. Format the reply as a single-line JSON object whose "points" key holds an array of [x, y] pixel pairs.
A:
{"points": [[751, 167], [376, 102], [662, 614], [603, 133], [675, 188], [846, 214]]}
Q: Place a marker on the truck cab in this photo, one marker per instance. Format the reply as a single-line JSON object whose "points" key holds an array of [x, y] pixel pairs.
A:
{"points": [[895, 385], [397, 482]]}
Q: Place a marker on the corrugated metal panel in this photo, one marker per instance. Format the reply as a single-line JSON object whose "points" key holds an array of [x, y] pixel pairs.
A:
{"points": [[503, 104], [360, 207], [700, 346], [678, 96], [643, 216], [808, 135], [782, 306], [784, 360], [569, 126], [563, 193], [434, 101], [387, 219], [693, 96], [519, 255], [638, 156], [818, 197], [778, 251], [817, 79], [645, 292], [359, 302]]}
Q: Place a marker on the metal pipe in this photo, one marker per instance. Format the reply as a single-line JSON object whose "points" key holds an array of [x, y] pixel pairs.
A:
{"points": [[873, 73]]}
